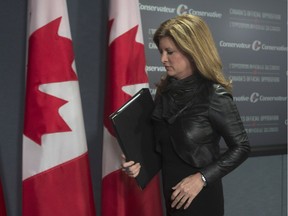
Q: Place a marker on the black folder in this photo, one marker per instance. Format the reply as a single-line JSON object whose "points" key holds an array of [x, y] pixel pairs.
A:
{"points": [[134, 131]]}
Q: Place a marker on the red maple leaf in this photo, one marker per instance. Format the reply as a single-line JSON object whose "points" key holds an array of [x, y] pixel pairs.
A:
{"points": [[126, 66], [50, 60]]}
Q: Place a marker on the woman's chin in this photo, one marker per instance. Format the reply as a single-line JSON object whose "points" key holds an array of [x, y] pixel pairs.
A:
{"points": [[170, 73]]}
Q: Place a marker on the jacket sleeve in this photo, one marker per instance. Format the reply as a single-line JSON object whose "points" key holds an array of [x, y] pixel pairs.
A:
{"points": [[225, 119]]}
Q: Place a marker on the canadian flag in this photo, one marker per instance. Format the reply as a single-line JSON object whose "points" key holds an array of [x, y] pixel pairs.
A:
{"points": [[56, 175], [126, 75]]}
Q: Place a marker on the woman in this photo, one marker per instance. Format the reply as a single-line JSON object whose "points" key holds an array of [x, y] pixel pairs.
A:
{"points": [[194, 109]]}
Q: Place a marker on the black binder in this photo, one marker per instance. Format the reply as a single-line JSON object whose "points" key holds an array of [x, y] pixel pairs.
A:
{"points": [[134, 132]]}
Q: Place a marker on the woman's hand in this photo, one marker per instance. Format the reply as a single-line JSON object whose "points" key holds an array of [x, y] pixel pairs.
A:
{"points": [[131, 168], [186, 190]]}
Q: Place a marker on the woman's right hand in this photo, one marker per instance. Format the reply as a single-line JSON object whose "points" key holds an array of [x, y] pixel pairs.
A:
{"points": [[131, 168]]}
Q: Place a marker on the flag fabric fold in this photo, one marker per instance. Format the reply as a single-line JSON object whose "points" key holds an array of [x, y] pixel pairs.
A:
{"points": [[56, 173], [121, 195]]}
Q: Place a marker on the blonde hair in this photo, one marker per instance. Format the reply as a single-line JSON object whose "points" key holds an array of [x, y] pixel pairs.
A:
{"points": [[193, 37]]}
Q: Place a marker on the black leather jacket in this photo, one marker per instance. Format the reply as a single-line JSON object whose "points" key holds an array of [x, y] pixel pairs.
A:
{"points": [[196, 132]]}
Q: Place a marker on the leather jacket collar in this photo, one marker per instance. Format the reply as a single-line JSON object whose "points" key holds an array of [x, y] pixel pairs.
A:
{"points": [[178, 95]]}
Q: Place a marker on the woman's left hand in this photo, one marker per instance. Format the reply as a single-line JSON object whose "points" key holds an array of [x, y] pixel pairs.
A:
{"points": [[186, 190], [131, 168]]}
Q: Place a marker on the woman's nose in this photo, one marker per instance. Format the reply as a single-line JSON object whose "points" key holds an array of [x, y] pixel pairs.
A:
{"points": [[163, 58]]}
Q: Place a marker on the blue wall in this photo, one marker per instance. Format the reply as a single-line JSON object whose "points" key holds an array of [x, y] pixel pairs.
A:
{"points": [[257, 188]]}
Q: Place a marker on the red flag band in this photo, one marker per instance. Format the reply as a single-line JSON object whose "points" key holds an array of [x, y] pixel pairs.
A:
{"points": [[2, 202]]}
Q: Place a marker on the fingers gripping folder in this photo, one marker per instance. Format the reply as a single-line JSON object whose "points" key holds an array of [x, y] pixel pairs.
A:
{"points": [[134, 131]]}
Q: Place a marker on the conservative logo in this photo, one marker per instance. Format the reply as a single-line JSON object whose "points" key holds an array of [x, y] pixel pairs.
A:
{"points": [[257, 97], [254, 97], [255, 46], [184, 9]]}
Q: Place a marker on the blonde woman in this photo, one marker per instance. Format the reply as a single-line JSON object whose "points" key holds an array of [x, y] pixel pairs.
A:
{"points": [[194, 108]]}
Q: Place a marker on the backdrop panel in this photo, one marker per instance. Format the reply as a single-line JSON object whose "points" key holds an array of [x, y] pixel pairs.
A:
{"points": [[251, 37]]}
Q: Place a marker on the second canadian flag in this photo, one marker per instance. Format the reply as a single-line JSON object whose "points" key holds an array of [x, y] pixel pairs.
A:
{"points": [[126, 75]]}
